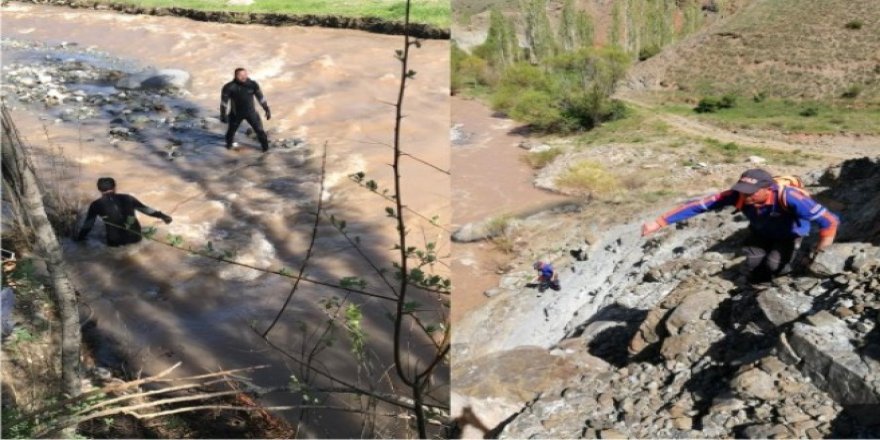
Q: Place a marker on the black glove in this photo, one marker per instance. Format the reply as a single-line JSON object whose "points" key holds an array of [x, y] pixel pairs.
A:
{"points": [[80, 238], [268, 113], [165, 218], [223, 118]]}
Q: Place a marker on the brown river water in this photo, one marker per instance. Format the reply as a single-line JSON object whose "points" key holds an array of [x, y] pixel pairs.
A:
{"points": [[159, 306]]}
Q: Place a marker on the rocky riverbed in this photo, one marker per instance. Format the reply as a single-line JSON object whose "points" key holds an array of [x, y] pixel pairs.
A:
{"points": [[142, 103]]}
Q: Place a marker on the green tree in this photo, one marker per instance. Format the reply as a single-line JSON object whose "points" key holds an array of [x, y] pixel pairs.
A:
{"points": [[575, 28], [569, 92], [501, 47], [468, 71], [539, 34]]}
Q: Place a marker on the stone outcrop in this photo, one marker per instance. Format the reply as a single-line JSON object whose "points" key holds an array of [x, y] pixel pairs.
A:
{"points": [[693, 350]]}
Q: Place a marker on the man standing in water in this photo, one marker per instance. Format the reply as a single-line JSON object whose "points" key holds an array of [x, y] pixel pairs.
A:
{"points": [[241, 92], [117, 212]]}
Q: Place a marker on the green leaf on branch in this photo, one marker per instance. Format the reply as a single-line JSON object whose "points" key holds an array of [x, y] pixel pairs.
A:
{"points": [[174, 240], [353, 318], [410, 307], [353, 283]]}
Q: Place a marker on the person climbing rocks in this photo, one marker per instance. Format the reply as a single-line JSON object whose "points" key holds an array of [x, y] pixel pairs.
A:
{"points": [[779, 212], [238, 97], [546, 277], [117, 213]]}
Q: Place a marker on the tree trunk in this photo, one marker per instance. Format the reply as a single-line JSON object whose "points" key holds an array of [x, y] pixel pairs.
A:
{"points": [[21, 186]]}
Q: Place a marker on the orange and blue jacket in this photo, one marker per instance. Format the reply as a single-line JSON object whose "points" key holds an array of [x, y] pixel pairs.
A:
{"points": [[787, 214], [546, 271]]}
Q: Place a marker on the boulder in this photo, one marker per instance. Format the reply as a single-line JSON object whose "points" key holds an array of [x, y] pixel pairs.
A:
{"points": [[782, 308], [836, 258], [692, 309], [755, 383], [829, 359]]}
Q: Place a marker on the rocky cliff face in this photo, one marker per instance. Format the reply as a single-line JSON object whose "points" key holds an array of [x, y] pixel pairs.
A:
{"points": [[662, 338]]}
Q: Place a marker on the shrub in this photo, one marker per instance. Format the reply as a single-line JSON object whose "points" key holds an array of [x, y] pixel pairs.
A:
{"points": [[852, 91], [727, 101], [468, 71], [540, 159], [854, 24], [648, 52], [809, 112], [538, 109], [759, 97], [708, 104]]}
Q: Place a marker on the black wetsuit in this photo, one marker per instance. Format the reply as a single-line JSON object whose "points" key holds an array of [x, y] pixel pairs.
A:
{"points": [[117, 209], [242, 108]]}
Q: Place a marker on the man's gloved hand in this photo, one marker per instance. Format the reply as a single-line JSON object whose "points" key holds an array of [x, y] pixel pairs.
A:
{"points": [[165, 218], [268, 113], [80, 238], [223, 118]]}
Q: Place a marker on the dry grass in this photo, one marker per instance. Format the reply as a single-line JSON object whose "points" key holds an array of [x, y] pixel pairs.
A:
{"points": [[58, 176], [540, 159], [588, 177], [799, 49]]}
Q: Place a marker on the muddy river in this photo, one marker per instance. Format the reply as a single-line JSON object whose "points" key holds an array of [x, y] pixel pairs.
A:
{"points": [[158, 305]]}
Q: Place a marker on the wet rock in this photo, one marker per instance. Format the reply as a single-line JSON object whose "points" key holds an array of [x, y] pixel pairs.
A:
{"points": [[482, 230], [495, 291], [155, 80], [120, 133], [289, 143]]}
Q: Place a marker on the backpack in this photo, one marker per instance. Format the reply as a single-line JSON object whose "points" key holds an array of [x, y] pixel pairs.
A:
{"points": [[781, 181]]}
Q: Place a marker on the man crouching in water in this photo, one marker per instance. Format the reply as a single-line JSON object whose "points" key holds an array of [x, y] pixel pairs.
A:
{"points": [[117, 212]]}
